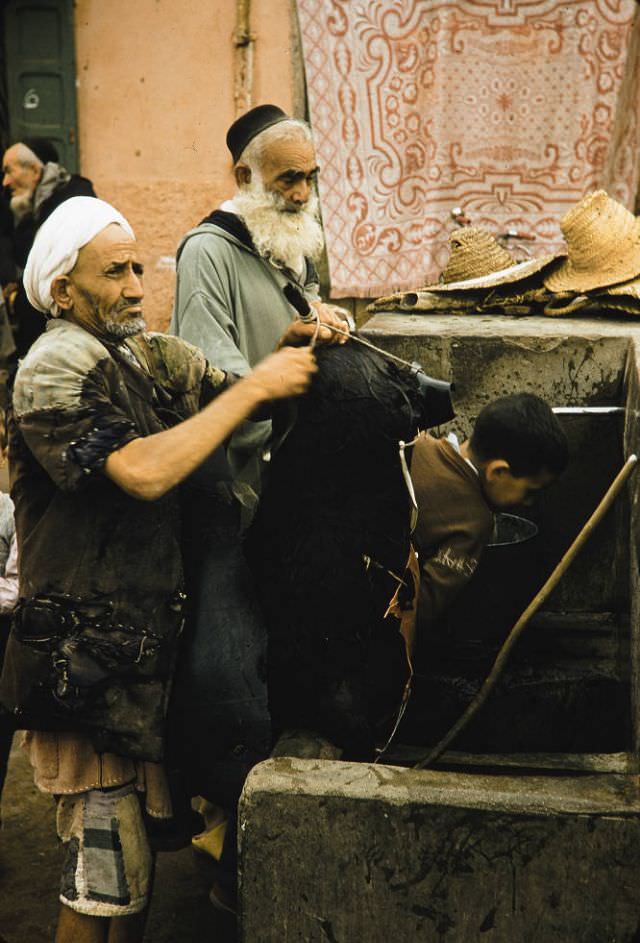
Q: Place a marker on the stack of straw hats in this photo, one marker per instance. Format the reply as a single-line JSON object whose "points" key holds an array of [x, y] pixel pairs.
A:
{"points": [[603, 263], [600, 273], [480, 275]]}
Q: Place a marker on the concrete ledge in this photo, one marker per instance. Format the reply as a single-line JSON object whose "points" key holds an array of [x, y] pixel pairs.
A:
{"points": [[396, 323], [345, 853]]}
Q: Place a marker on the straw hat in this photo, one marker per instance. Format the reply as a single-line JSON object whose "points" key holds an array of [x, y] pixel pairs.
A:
{"points": [[505, 276], [476, 264], [478, 261], [624, 297], [474, 252], [604, 245], [627, 289]]}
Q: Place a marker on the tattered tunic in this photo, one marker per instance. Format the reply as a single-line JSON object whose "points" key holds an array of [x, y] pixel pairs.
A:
{"points": [[94, 642]]}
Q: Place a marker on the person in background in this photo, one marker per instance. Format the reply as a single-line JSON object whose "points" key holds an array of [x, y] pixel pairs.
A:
{"points": [[37, 183], [8, 600]]}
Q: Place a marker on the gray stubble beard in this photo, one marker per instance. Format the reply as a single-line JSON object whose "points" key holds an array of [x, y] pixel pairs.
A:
{"points": [[120, 330]]}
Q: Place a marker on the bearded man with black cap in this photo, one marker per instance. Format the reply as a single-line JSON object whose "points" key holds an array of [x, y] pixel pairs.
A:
{"points": [[230, 302], [37, 183], [233, 267]]}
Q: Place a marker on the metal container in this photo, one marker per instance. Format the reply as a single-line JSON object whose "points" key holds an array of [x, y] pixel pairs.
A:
{"points": [[477, 622]]}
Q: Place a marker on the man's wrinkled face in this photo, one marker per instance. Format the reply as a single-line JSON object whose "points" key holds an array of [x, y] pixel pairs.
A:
{"points": [[20, 179], [105, 286], [289, 171]]}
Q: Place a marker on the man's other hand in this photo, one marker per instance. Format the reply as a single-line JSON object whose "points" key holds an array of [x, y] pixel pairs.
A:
{"points": [[286, 372], [333, 316], [300, 333]]}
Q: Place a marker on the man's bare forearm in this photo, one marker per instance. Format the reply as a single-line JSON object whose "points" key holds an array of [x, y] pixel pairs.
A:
{"points": [[148, 467]]}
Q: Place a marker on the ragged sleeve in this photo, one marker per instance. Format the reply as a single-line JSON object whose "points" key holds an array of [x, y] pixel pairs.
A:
{"points": [[182, 369], [64, 410]]}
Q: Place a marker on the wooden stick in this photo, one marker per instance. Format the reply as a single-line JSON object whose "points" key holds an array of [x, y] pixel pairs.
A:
{"points": [[532, 608]]}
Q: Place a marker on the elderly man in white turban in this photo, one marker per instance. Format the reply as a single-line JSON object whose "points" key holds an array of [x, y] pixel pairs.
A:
{"points": [[106, 422]]}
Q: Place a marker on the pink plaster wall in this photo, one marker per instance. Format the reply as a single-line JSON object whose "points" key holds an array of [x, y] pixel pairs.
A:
{"points": [[155, 98]]}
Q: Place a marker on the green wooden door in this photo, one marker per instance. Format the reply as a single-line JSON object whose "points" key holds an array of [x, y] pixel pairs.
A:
{"points": [[40, 61]]}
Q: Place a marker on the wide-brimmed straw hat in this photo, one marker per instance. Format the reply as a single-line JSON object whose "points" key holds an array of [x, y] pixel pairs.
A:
{"points": [[627, 289], [506, 276], [603, 240], [479, 262], [624, 297]]}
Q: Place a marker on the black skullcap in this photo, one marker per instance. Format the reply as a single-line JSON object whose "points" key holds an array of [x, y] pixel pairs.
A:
{"points": [[43, 149], [250, 124]]}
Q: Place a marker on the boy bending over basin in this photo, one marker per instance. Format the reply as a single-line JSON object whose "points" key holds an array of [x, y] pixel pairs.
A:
{"points": [[516, 449]]}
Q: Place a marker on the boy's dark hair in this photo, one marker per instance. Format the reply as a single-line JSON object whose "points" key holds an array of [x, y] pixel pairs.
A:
{"points": [[522, 430]]}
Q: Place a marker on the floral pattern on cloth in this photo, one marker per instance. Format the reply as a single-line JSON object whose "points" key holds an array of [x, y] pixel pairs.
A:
{"points": [[511, 110]]}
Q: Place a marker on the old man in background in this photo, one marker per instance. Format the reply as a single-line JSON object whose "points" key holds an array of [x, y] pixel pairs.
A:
{"points": [[107, 421], [37, 183]]}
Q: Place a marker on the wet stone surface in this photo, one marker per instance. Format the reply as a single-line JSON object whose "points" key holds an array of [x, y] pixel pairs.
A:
{"points": [[344, 853]]}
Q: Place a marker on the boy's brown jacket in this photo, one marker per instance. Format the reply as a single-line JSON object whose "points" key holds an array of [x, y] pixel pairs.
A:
{"points": [[454, 524]]}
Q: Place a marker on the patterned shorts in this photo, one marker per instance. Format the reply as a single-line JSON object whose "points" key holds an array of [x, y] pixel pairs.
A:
{"points": [[107, 868]]}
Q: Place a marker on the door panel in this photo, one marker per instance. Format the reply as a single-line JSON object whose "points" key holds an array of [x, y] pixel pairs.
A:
{"points": [[40, 59]]}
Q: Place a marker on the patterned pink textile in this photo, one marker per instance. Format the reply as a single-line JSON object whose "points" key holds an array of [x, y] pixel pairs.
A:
{"points": [[510, 109]]}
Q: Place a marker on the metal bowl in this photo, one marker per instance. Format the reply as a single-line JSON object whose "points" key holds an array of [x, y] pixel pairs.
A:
{"points": [[511, 529]]}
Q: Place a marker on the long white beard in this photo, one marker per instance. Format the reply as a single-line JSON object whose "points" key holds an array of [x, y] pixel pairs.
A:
{"points": [[285, 237]]}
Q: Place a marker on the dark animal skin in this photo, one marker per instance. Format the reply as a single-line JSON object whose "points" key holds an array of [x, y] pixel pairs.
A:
{"points": [[335, 494]]}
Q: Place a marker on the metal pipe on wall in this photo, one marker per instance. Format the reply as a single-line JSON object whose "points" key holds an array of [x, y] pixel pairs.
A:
{"points": [[244, 42]]}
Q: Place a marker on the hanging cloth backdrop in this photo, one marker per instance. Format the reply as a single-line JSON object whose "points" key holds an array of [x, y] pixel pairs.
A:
{"points": [[510, 109]]}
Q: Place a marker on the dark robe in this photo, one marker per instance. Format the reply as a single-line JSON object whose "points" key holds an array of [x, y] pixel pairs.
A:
{"points": [[334, 499]]}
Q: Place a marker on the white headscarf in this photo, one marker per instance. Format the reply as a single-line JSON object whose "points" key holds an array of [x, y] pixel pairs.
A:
{"points": [[55, 249]]}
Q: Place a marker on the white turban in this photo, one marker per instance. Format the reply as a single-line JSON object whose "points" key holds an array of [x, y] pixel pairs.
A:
{"points": [[55, 249]]}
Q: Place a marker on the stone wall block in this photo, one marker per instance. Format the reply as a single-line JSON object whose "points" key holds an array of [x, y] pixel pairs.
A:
{"points": [[344, 853]]}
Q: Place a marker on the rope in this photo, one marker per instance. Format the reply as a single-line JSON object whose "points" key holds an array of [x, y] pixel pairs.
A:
{"points": [[360, 340], [314, 339], [406, 474], [308, 313]]}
